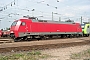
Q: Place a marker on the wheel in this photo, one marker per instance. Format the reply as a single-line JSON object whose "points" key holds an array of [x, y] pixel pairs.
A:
{"points": [[17, 39], [87, 35]]}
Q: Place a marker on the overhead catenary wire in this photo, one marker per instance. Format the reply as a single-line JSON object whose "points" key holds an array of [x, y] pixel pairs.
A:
{"points": [[46, 4], [43, 11], [6, 6]]}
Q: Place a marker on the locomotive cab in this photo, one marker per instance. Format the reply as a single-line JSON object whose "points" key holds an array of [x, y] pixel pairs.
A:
{"points": [[19, 28], [86, 29], [14, 29]]}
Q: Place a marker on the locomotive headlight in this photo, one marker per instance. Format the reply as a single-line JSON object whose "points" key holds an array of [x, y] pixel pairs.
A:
{"points": [[58, 30], [11, 32]]}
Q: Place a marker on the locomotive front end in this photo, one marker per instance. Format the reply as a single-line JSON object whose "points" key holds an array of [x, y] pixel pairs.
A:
{"points": [[14, 29]]}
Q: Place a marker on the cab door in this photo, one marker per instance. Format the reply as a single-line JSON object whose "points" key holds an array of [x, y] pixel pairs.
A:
{"points": [[88, 29], [23, 27]]}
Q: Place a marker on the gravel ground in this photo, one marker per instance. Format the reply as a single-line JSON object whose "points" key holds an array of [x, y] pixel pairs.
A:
{"points": [[64, 53], [59, 49], [44, 42]]}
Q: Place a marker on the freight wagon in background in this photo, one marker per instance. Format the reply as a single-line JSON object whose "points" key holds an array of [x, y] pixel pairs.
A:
{"points": [[31, 27], [4, 33], [0, 33]]}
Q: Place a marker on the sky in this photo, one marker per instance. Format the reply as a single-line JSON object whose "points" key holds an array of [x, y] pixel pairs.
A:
{"points": [[63, 9]]}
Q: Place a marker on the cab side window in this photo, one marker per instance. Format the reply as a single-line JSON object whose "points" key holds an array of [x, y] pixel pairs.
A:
{"points": [[87, 26], [23, 24]]}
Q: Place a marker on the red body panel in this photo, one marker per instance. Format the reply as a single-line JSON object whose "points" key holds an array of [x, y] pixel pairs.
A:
{"points": [[44, 27], [52, 27]]}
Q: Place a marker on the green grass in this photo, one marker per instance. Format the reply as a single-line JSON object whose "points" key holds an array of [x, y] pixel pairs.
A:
{"points": [[34, 55], [85, 55]]}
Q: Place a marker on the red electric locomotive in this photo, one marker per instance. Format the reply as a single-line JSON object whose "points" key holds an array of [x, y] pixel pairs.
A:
{"points": [[34, 28]]}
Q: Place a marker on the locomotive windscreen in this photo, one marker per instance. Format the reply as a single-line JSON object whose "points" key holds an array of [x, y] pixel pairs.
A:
{"points": [[14, 23], [82, 25]]}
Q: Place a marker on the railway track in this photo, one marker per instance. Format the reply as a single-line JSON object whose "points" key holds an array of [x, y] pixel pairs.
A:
{"points": [[6, 40], [9, 40], [42, 44]]}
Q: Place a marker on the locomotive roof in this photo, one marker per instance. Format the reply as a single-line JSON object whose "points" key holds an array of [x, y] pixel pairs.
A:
{"points": [[50, 21], [35, 19], [86, 22]]}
